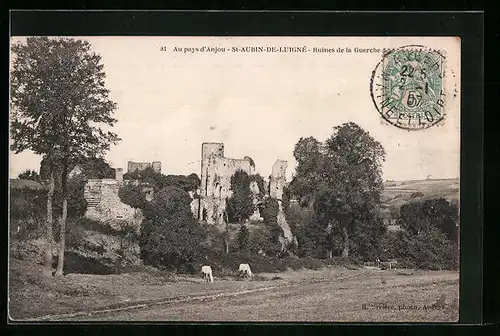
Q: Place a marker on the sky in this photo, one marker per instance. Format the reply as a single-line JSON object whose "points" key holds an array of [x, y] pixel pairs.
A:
{"points": [[257, 104]]}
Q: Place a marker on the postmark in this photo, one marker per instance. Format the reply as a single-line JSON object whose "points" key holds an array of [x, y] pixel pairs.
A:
{"points": [[407, 87]]}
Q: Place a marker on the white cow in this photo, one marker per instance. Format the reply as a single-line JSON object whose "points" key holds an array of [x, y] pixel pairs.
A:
{"points": [[206, 272], [245, 270]]}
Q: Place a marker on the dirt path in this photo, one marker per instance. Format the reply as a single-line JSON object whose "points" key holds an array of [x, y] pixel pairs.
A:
{"points": [[327, 295]]}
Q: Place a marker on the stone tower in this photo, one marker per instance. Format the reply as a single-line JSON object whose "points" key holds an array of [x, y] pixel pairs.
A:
{"points": [[156, 166], [278, 179], [208, 151]]}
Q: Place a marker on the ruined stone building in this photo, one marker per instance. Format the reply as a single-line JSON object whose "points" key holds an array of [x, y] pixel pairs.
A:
{"points": [[215, 188], [278, 179], [103, 201], [138, 166], [216, 170]]}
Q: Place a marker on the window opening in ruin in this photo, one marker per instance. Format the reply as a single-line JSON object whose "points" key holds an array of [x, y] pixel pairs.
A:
{"points": [[220, 191], [204, 216]]}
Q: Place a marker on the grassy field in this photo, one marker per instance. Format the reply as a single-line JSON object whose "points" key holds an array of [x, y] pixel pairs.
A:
{"points": [[397, 193], [329, 294]]}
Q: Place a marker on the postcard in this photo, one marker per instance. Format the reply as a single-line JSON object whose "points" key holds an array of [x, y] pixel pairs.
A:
{"points": [[276, 179]]}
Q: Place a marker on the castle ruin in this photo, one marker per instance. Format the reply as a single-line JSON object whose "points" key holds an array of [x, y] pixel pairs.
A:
{"points": [[210, 199], [215, 188], [104, 203], [139, 166], [278, 179], [216, 171]]}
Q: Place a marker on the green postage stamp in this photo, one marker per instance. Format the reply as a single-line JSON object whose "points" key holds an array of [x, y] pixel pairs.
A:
{"points": [[407, 87]]}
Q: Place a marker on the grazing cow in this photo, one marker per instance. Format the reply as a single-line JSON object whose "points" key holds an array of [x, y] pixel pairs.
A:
{"points": [[245, 270], [206, 272]]}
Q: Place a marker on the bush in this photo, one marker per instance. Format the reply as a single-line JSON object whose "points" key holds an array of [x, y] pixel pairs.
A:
{"points": [[261, 240], [416, 194], [170, 236], [428, 250], [28, 213], [133, 196], [243, 239], [227, 264]]}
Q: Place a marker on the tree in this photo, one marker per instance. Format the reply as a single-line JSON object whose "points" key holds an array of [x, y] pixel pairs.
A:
{"points": [[170, 235], [269, 213], [240, 205], [60, 109], [92, 168], [352, 187], [133, 196], [29, 175], [309, 157], [417, 217], [342, 180], [410, 218]]}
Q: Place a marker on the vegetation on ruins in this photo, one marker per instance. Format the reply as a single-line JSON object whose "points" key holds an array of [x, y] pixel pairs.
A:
{"points": [[260, 183], [170, 236], [240, 205], [60, 108], [158, 180], [269, 213], [133, 196]]}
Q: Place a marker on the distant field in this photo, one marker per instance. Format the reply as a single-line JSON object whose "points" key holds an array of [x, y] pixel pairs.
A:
{"points": [[398, 192]]}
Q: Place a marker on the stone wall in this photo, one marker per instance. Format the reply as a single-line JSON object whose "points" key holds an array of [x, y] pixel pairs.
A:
{"points": [[278, 179], [138, 166], [216, 172], [104, 204]]}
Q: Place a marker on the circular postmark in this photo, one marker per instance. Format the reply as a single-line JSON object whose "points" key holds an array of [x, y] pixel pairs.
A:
{"points": [[407, 87]]}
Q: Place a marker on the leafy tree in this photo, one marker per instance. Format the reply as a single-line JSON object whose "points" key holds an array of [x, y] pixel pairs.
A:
{"points": [[92, 168], [410, 218], [342, 181], [352, 182], [417, 217], [170, 236], [60, 107], [425, 250], [269, 213], [309, 157], [28, 209], [132, 195], [240, 205], [299, 218], [29, 175], [443, 215]]}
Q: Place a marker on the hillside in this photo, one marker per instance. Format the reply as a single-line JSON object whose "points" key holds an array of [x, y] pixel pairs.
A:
{"points": [[398, 192]]}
